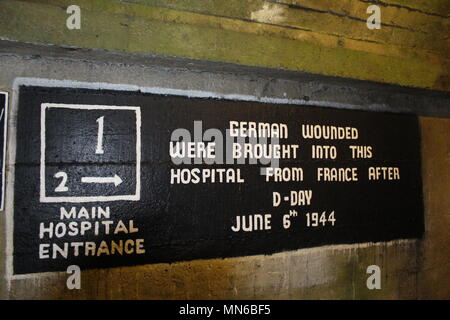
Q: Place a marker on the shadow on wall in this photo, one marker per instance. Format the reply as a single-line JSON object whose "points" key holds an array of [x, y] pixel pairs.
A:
{"points": [[335, 272], [444, 80]]}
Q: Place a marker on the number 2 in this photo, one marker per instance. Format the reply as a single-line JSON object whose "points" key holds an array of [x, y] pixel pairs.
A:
{"points": [[62, 186]]}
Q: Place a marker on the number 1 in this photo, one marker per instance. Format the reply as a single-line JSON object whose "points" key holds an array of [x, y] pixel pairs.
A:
{"points": [[99, 149]]}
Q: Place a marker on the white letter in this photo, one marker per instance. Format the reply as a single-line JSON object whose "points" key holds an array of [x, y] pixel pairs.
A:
{"points": [[43, 230], [276, 199], [73, 21], [43, 251], [234, 132]]}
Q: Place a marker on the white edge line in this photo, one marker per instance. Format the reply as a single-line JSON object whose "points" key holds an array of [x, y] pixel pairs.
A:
{"points": [[182, 92], [5, 142], [131, 197], [88, 106], [138, 154], [74, 199], [9, 227], [155, 90], [42, 159]]}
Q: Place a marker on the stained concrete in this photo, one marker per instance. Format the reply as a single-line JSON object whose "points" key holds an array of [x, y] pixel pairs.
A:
{"points": [[322, 37], [410, 268]]}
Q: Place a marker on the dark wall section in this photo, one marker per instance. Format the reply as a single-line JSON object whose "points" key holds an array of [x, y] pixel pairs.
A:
{"points": [[146, 219]]}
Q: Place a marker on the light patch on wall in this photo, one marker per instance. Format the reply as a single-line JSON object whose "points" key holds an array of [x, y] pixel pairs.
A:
{"points": [[269, 13]]}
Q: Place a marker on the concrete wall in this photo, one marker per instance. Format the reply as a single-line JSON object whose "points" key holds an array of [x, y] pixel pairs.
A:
{"points": [[258, 48], [323, 37], [410, 268]]}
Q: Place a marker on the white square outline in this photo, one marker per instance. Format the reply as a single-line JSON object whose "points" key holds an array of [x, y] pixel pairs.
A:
{"points": [[74, 199]]}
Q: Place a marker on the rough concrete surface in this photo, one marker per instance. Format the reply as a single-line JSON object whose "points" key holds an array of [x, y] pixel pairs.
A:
{"points": [[322, 37]]}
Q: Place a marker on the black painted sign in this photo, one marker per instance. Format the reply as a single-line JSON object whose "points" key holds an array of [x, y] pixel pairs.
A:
{"points": [[114, 178], [3, 125]]}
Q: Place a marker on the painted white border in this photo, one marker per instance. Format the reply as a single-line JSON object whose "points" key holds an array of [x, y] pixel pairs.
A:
{"points": [[155, 90], [182, 92], [9, 201], [76, 199], [5, 142]]}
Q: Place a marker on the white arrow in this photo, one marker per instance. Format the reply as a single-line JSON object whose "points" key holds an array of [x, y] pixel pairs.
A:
{"points": [[116, 180]]}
